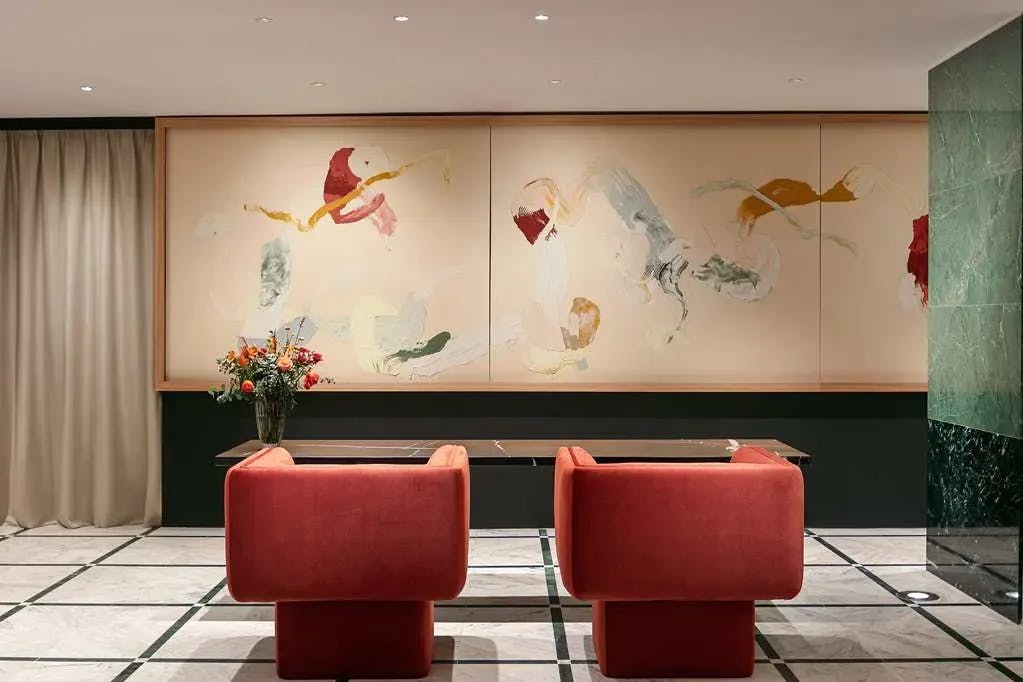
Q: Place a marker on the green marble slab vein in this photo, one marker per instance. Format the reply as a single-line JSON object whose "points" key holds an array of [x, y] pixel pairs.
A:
{"points": [[976, 242], [974, 104], [974, 367]]}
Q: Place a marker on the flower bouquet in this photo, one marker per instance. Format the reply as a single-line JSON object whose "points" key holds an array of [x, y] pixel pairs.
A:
{"points": [[269, 376]]}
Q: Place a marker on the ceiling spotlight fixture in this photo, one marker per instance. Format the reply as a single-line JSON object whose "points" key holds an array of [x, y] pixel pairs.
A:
{"points": [[555, 81], [401, 17], [85, 88], [263, 20], [795, 80], [918, 595], [317, 84], [541, 17], [1013, 594]]}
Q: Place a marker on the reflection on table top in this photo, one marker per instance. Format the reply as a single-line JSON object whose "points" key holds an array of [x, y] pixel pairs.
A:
{"points": [[526, 451]]}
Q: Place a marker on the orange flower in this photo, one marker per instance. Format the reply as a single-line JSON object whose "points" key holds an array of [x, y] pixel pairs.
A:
{"points": [[284, 363], [243, 360], [230, 355], [252, 351], [248, 386]]}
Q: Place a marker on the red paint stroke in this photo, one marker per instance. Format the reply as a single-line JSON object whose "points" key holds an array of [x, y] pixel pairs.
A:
{"points": [[916, 262], [340, 181], [531, 223]]}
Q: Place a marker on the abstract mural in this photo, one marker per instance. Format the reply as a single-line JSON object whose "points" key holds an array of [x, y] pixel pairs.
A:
{"points": [[683, 254], [873, 306], [370, 238]]}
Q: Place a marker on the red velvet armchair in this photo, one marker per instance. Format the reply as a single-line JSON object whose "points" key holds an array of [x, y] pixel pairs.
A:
{"points": [[353, 556], [673, 557]]}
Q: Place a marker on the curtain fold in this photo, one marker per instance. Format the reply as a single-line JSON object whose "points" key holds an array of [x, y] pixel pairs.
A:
{"points": [[79, 429]]}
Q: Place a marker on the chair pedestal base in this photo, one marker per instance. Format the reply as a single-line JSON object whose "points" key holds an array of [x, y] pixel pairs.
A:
{"points": [[367, 639], [674, 639]]}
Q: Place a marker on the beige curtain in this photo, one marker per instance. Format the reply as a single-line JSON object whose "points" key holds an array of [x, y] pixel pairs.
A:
{"points": [[79, 434]]}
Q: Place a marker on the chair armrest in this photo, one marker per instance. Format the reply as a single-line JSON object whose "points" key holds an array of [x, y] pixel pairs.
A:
{"points": [[708, 531], [335, 532]]}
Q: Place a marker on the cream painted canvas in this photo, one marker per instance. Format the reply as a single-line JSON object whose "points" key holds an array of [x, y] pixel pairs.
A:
{"points": [[873, 299], [374, 239], [681, 254]]}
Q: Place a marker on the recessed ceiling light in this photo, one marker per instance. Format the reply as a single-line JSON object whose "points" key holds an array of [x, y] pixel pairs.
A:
{"points": [[795, 79], [555, 81], [541, 17], [317, 84], [263, 20], [401, 17], [1013, 594], [85, 88], [918, 595]]}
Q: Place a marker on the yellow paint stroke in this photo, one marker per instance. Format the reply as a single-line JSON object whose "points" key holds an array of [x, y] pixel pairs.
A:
{"points": [[340, 202], [584, 320], [781, 193], [778, 195], [558, 365]]}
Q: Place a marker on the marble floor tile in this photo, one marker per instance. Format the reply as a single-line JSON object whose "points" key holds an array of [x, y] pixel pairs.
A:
{"points": [[503, 533], [84, 631], [1015, 666], [164, 671], [762, 672], [55, 529], [18, 583], [505, 552], [8, 529], [499, 585], [815, 553], [906, 578], [63, 550], [839, 585], [221, 632], [59, 671], [994, 634], [827, 532], [855, 632], [137, 585], [177, 531], [882, 550], [489, 633], [176, 551], [986, 549], [972, 671]]}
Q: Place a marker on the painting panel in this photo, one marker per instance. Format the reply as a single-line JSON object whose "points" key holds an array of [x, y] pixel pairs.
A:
{"points": [[874, 297], [656, 254], [373, 240]]}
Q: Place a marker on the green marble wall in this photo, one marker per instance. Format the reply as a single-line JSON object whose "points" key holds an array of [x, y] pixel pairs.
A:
{"points": [[974, 407], [975, 235]]}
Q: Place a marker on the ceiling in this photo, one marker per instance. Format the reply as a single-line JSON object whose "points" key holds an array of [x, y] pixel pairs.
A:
{"points": [[164, 57]]}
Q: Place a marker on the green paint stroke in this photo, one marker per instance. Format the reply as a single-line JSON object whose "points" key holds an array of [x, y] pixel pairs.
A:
{"points": [[720, 272], [434, 345]]}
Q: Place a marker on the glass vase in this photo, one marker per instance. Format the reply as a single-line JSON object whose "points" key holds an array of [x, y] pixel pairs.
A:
{"points": [[270, 416]]}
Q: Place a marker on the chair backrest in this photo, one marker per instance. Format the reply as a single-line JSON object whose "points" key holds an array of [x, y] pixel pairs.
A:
{"points": [[701, 531], [336, 532]]}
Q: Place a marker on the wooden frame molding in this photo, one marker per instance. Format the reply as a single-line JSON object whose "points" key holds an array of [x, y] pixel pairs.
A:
{"points": [[163, 124]]}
